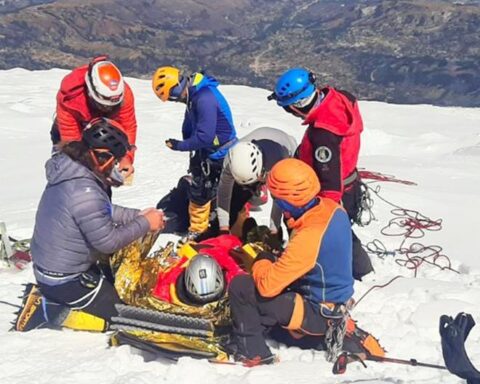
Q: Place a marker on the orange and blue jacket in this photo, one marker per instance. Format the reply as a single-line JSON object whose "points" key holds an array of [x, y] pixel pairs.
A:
{"points": [[317, 262], [74, 113]]}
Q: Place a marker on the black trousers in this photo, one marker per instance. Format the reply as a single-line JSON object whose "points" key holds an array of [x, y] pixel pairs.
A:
{"points": [[92, 292], [205, 177], [362, 264], [253, 315]]}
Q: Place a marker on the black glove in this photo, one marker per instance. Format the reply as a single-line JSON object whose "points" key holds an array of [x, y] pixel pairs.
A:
{"points": [[172, 144], [265, 256]]}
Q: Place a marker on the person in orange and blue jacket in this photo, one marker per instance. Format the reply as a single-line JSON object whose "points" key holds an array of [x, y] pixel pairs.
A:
{"points": [[93, 91], [208, 132], [330, 145], [312, 276]]}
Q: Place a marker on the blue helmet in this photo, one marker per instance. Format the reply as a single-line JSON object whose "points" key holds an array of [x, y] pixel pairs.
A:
{"points": [[295, 84]]}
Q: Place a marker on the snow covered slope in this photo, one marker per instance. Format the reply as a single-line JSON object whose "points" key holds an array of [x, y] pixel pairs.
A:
{"points": [[438, 148]]}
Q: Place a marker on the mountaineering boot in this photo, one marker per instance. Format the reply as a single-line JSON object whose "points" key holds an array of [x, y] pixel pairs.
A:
{"points": [[199, 216], [257, 360], [239, 348], [38, 312], [360, 342], [31, 314]]}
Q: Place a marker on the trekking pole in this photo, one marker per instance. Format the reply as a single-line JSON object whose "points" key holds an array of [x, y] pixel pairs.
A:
{"points": [[412, 362], [340, 365]]}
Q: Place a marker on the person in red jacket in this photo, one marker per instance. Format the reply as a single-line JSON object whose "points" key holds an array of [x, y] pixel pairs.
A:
{"points": [[330, 145], [94, 90], [203, 278]]}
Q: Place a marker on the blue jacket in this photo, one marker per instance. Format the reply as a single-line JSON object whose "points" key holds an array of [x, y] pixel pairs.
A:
{"points": [[208, 123], [317, 262], [76, 222]]}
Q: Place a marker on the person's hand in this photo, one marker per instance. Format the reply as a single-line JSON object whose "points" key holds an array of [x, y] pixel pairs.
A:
{"points": [[125, 167], [155, 218], [146, 210], [172, 144]]}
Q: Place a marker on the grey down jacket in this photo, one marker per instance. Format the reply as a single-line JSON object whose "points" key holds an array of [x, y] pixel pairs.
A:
{"points": [[76, 222]]}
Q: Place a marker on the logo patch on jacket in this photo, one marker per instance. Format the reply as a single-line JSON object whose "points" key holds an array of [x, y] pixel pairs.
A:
{"points": [[323, 154]]}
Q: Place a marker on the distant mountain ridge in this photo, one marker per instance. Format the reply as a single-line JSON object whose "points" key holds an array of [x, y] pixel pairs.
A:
{"points": [[402, 51]]}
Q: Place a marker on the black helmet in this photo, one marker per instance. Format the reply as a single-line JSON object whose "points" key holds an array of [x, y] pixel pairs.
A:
{"points": [[103, 133]]}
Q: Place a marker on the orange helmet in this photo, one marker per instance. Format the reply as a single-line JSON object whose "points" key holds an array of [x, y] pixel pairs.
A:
{"points": [[293, 181], [104, 82], [165, 79]]}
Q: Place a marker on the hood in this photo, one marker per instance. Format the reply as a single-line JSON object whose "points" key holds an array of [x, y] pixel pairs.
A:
{"points": [[335, 113], [61, 168], [73, 84], [200, 80]]}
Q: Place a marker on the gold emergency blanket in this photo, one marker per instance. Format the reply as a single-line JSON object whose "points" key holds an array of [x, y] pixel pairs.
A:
{"points": [[177, 343], [136, 272]]}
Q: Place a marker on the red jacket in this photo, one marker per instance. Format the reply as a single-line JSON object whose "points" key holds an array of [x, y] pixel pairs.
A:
{"points": [[73, 113], [217, 247], [334, 131]]}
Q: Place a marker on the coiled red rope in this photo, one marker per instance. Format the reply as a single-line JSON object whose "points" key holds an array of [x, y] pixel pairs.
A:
{"points": [[408, 224]]}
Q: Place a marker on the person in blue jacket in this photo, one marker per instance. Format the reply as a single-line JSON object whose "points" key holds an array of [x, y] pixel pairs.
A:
{"points": [[208, 132]]}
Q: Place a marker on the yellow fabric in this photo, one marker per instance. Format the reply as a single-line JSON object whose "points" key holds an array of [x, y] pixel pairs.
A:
{"points": [[197, 78], [83, 321], [199, 215], [186, 250]]}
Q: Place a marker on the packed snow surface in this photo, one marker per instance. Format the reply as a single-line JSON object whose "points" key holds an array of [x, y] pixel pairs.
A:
{"points": [[437, 148]]}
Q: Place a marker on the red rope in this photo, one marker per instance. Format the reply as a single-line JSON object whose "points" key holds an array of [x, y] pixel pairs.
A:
{"points": [[377, 176], [410, 224]]}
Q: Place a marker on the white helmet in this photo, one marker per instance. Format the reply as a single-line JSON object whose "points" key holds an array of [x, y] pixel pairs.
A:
{"points": [[204, 280], [104, 82], [246, 162]]}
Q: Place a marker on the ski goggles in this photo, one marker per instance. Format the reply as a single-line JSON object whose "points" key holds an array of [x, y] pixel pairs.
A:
{"points": [[176, 92]]}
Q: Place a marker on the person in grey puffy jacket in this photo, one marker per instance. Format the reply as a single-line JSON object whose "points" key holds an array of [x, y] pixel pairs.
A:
{"points": [[77, 224]]}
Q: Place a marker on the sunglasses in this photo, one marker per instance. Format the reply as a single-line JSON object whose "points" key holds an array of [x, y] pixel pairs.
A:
{"points": [[176, 92], [103, 158], [295, 212]]}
